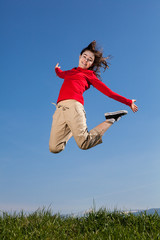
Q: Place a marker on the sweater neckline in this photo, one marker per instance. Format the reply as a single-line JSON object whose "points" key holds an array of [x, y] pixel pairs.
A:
{"points": [[82, 69]]}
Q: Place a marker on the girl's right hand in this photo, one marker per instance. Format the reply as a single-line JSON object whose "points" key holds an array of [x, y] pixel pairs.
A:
{"points": [[57, 66]]}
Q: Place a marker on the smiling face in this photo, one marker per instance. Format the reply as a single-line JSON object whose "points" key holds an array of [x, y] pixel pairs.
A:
{"points": [[86, 59]]}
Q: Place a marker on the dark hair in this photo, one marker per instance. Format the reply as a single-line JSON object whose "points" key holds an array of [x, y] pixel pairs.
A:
{"points": [[99, 60]]}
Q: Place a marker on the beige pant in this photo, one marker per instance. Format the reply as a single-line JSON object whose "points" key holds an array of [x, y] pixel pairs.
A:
{"points": [[69, 120]]}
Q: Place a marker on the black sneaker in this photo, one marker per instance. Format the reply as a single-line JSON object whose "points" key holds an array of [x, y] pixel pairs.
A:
{"points": [[115, 116]]}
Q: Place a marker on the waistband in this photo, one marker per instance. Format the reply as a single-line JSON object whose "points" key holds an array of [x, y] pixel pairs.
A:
{"points": [[67, 102]]}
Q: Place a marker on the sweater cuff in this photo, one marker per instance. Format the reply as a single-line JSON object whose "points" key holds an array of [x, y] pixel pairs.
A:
{"points": [[129, 102], [57, 70]]}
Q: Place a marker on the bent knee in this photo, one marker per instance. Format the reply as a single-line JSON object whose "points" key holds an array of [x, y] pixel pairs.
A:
{"points": [[56, 148], [90, 142], [83, 146], [52, 150]]}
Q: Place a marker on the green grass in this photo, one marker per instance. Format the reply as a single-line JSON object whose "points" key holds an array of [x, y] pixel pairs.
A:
{"points": [[95, 225]]}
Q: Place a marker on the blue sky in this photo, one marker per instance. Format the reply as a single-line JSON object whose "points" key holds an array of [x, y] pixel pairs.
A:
{"points": [[121, 173]]}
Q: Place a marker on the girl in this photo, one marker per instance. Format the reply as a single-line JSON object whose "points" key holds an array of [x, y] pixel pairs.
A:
{"points": [[69, 118]]}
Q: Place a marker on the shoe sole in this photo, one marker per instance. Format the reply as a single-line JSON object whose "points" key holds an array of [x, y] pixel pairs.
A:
{"points": [[115, 114]]}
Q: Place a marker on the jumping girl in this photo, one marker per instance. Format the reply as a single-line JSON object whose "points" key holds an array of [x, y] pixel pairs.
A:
{"points": [[69, 118]]}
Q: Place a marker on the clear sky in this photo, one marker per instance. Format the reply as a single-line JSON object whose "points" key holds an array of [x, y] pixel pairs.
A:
{"points": [[124, 171]]}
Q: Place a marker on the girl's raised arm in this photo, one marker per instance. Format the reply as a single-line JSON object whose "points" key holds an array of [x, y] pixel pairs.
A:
{"points": [[59, 72]]}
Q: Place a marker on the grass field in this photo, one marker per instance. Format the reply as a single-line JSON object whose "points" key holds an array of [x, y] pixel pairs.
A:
{"points": [[95, 225]]}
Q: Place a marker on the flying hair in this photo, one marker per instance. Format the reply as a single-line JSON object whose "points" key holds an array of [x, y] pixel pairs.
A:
{"points": [[99, 61]]}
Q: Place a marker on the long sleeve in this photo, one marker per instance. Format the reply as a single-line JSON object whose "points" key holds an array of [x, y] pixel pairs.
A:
{"points": [[60, 73], [108, 92]]}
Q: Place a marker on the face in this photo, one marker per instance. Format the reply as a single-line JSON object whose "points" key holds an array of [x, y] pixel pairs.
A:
{"points": [[86, 59]]}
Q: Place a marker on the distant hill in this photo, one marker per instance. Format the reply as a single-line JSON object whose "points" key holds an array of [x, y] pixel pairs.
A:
{"points": [[148, 211]]}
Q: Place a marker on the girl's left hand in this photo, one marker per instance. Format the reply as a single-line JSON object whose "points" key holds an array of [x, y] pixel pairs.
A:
{"points": [[133, 106]]}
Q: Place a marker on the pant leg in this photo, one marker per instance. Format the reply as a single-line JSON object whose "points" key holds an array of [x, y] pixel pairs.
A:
{"points": [[75, 118], [60, 132]]}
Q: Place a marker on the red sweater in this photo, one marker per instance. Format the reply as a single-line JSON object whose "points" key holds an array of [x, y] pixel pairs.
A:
{"points": [[78, 80]]}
